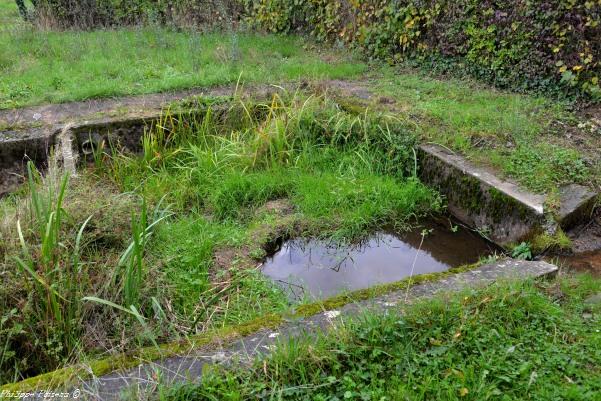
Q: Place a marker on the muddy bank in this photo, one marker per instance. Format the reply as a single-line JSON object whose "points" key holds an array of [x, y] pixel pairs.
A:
{"points": [[585, 255], [587, 262]]}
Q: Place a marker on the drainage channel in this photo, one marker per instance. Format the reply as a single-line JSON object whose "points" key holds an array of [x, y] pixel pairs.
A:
{"points": [[312, 269]]}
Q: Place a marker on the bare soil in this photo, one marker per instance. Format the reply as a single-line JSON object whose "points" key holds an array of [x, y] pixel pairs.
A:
{"points": [[589, 262], [227, 257], [586, 246]]}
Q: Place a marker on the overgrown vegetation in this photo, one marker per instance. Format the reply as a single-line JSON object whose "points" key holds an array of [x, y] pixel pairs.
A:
{"points": [[142, 249], [88, 284], [107, 13], [526, 138], [531, 341], [523, 137]]}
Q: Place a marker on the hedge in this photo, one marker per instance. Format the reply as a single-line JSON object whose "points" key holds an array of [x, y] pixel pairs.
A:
{"points": [[523, 44], [87, 14]]}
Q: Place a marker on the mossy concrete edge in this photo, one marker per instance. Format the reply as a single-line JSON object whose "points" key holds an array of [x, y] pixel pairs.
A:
{"points": [[69, 375]]}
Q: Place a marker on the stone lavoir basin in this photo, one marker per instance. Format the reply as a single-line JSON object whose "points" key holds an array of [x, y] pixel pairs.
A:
{"points": [[317, 269]]}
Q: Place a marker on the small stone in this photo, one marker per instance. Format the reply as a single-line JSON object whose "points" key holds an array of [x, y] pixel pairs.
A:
{"points": [[331, 314], [218, 357], [273, 335], [587, 316], [37, 116], [594, 299]]}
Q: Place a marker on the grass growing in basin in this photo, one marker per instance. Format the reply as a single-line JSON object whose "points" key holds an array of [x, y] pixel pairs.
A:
{"points": [[338, 175]]}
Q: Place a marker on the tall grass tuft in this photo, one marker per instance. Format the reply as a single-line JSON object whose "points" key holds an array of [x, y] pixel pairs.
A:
{"points": [[54, 266], [131, 263], [130, 270]]}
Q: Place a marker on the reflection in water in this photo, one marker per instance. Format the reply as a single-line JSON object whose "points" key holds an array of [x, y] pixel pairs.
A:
{"points": [[318, 269]]}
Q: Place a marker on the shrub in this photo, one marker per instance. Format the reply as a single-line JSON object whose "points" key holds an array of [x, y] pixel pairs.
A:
{"points": [[550, 46], [84, 14]]}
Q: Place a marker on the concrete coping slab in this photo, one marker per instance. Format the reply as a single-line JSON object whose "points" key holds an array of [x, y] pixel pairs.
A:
{"points": [[499, 207], [190, 367], [534, 201]]}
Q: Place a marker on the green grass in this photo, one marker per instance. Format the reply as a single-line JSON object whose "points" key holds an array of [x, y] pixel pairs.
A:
{"points": [[9, 14], [185, 248], [52, 67], [343, 174], [340, 175], [522, 341], [514, 134], [511, 133]]}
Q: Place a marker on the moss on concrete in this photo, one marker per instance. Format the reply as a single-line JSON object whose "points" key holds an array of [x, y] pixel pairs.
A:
{"points": [[70, 375], [556, 242], [375, 291], [351, 105]]}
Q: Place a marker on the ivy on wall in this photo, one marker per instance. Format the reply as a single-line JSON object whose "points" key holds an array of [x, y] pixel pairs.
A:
{"points": [[524, 44]]}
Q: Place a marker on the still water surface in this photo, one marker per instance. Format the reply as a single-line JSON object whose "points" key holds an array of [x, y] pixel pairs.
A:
{"points": [[318, 269]]}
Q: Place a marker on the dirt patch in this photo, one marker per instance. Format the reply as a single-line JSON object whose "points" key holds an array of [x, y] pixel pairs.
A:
{"points": [[356, 89], [586, 246], [587, 236], [279, 207], [589, 262], [281, 221]]}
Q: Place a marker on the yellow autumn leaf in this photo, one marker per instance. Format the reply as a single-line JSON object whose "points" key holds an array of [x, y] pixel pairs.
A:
{"points": [[563, 69], [577, 68], [463, 392]]}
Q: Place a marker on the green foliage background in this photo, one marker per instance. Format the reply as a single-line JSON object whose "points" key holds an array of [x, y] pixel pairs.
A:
{"points": [[530, 45], [106, 13], [524, 44]]}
